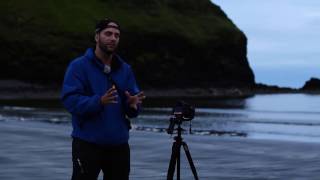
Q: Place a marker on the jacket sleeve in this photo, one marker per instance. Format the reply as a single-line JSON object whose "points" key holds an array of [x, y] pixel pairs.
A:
{"points": [[133, 90], [75, 97]]}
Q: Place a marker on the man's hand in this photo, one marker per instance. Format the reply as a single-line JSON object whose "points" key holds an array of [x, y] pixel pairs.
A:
{"points": [[133, 101], [110, 96]]}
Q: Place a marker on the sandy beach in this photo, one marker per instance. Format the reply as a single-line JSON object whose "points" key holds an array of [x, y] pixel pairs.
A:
{"points": [[38, 150]]}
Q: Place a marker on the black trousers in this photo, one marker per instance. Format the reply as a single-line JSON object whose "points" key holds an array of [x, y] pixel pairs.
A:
{"points": [[89, 159]]}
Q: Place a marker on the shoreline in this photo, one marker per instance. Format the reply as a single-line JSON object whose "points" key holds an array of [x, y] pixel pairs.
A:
{"points": [[212, 93]]}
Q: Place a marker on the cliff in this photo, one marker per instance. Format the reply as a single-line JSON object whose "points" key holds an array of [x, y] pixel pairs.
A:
{"points": [[180, 43], [312, 84]]}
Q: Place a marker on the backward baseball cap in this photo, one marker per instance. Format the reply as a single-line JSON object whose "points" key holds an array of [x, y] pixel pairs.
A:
{"points": [[105, 23]]}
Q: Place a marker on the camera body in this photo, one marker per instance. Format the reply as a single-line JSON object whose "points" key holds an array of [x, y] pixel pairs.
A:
{"points": [[181, 112]]}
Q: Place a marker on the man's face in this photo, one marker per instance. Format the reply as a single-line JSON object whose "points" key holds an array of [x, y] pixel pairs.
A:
{"points": [[108, 39]]}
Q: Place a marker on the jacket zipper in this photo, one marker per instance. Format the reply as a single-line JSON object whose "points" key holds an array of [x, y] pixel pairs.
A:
{"points": [[80, 165]]}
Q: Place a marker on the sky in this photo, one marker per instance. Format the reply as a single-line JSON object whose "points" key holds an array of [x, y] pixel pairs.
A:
{"points": [[283, 38]]}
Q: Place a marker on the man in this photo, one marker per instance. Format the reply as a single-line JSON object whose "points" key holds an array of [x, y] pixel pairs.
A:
{"points": [[101, 93]]}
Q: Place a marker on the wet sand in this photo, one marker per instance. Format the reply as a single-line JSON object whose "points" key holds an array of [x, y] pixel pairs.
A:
{"points": [[37, 150]]}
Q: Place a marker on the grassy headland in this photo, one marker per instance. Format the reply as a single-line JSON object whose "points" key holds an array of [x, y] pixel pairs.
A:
{"points": [[181, 43]]}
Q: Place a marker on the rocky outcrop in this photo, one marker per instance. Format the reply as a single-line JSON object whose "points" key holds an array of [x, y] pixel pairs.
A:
{"points": [[312, 85]]}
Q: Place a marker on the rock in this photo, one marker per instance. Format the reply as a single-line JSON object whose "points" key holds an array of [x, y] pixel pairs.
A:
{"points": [[312, 85], [260, 88]]}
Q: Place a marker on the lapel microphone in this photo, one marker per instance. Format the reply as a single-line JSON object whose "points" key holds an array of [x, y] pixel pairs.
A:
{"points": [[107, 69]]}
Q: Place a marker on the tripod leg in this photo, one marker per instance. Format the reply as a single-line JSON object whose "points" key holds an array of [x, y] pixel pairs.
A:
{"points": [[173, 161], [193, 168], [178, 160]]}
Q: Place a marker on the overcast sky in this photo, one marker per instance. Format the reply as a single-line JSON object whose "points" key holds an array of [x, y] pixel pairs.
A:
{"points": [[283, 38]]}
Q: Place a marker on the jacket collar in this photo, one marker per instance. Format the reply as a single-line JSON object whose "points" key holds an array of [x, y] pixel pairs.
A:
{"points": [[115, 64]]}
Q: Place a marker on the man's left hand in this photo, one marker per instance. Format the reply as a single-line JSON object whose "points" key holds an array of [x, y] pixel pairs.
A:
{"points": [[133, 101]]}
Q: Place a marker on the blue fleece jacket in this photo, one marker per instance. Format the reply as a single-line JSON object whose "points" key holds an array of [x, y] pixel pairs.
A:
{"points": [[84, 84]]}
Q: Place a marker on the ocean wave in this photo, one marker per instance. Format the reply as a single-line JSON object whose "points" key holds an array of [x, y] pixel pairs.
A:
{"points": [[236, 119], [243, 111], [233, 112], [35, 118], [57, 120], [194, 131], [292, 134], [266, 121], [19, 108]]}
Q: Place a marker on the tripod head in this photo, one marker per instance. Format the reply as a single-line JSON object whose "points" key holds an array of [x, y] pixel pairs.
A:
{"points": [[180, 113]]}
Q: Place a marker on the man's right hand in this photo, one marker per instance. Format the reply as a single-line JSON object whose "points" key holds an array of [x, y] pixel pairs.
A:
{"points": [[109, 97]]}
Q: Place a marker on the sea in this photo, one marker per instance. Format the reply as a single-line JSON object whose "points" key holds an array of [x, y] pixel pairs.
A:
{"points": [[290, 117]]}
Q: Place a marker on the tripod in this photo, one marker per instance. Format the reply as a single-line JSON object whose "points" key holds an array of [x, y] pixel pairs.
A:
{"points": [[175, 156]]}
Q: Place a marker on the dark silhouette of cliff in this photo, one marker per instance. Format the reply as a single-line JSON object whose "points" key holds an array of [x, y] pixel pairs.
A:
{"points": [[312, 84]]}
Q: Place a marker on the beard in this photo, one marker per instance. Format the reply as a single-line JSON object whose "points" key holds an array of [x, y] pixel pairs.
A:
{"points": [[104, 47]]}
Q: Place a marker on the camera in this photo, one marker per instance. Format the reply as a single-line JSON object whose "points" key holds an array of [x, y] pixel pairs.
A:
{"points": [[181, 112]]}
